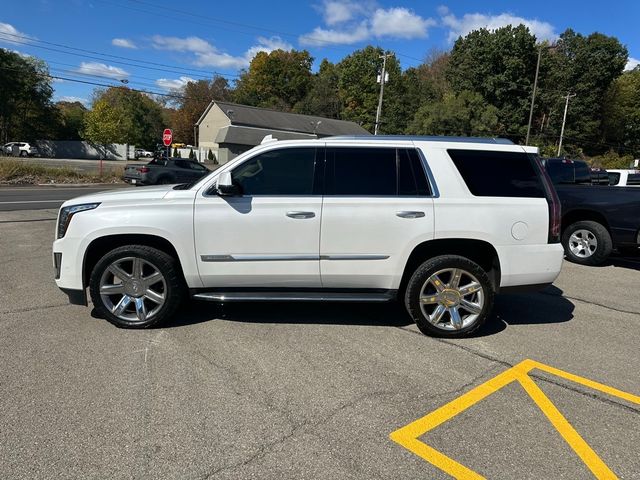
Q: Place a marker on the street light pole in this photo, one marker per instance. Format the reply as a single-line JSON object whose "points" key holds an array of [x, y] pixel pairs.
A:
{"points": [[533, 95], [564, 119], [382, 81]]}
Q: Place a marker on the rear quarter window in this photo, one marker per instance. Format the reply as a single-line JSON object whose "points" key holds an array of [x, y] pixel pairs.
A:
{"points": [[498, 174], [633, 179]]}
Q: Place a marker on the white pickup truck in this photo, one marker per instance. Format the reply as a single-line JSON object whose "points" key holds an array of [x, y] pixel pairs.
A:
{"points": [[624, 178], [441, 224]]}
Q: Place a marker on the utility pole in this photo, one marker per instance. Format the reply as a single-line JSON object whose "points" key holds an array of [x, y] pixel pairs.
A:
{"points": [[383, 79], [533, 95], [564, 119]]}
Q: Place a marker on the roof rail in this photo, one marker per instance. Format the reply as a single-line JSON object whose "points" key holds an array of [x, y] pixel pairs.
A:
{"points": [[425, 138]]}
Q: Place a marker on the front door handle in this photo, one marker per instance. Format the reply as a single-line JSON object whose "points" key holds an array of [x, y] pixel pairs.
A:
{"points": [[410, 214], [300, 215]]}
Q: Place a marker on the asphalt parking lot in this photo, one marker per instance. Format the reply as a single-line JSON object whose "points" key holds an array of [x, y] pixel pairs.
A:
{"points": [[316, 390]]}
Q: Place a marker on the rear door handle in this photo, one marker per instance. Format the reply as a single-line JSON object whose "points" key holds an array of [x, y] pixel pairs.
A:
{"points": [[410, 214], [300, 215]]}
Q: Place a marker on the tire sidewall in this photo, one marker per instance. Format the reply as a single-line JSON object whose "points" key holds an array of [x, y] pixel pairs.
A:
{"points": [[160, 260], [428, 268], [603, 249]]}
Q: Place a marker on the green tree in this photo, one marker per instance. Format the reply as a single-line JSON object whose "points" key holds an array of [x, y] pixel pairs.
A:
{"points": [[586, 66], [621, 112], [71, 115], [323, 98], [465, 114], [26, 109], [498, 65], [359, 90], [277, 80], [194, 99], [132, 117]]}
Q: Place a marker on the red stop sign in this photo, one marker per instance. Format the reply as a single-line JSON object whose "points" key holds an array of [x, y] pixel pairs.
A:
{"points": [[167, 137]]}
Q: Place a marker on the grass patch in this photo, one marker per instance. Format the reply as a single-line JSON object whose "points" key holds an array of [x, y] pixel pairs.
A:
{"points": [[18, 172]]}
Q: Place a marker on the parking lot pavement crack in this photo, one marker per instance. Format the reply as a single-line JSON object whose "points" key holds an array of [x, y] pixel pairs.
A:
{"points": [[303, 427], [462, 347], [589, 302], [29, 221], [595, 395], [32, 309]]}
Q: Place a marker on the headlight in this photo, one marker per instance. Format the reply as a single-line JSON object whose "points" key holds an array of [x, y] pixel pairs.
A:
{"points": [[67, 213]]}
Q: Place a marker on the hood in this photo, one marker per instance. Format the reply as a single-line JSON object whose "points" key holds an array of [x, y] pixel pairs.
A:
{"points": [[124, 195]]}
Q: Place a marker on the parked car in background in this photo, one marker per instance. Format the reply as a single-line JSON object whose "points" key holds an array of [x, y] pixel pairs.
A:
{"points": [[165, 171], [624, 178], [595, 218], [20, 149], [141, 153]]}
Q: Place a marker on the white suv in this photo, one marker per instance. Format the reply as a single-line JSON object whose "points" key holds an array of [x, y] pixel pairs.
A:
{"points": [[442, 224]]}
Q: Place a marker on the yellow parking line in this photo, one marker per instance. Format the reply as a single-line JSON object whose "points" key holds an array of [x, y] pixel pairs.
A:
{"points": [[407, 436]]}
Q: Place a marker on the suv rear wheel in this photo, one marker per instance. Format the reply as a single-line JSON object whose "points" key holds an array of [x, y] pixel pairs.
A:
{"points": [[587, 243], [136, 286], [449, 296]]}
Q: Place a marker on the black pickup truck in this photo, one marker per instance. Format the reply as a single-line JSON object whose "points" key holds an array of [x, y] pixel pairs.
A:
{"points": [[595, 218]]}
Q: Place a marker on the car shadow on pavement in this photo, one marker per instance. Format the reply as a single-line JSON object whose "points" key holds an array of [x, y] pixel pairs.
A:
{"points": [[630, 262], [319, 313], [540, 308]]}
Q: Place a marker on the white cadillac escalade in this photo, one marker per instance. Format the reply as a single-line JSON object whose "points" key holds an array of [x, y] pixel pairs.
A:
{"points": [[441, 224]]}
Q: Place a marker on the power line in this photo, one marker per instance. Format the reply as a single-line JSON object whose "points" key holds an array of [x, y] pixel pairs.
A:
{"points": [[24, 40], [321, 43]]}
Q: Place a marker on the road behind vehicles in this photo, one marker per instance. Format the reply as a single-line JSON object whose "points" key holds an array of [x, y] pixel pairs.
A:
{"points": [[595, 219], [624, 178], [344, 219], [165, 171]]}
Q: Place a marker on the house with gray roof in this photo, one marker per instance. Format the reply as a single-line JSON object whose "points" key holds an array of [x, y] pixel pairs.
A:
{"points": [[229, 129]]}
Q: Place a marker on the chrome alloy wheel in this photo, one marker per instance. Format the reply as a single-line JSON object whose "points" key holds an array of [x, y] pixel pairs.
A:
{"points": [[451, 299], [133, 289], [583, 243]]}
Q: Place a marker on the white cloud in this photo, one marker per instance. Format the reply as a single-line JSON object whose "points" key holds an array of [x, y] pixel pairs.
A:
{"points": [[320, 36], [340, 11], [461, 26], [102, 70], [72, 99], [400, 23], [10, 34], [632, 63], [124, 43], [173, 84], [207, 55], [363, 21]]}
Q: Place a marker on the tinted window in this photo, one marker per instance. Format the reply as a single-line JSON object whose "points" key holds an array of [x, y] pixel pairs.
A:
{"points": [[560, 171], [633, 179], [181, 164], [361, 171], [411, 176], [288, 171], [497, 174], [582, 172], [614, 178]]}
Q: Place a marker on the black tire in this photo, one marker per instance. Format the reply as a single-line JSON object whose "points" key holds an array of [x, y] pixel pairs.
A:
{"points": [[419, 281], [595, 231], [23, 153], [171, 286]]}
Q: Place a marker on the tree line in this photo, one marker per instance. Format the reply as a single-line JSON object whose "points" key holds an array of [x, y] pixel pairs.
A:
{"points": [[481, 87]]}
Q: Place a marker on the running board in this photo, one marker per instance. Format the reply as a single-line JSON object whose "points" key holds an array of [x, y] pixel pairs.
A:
{"points": [[296, 296]]}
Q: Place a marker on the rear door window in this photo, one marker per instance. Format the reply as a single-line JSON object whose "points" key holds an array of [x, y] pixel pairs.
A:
{"points": [[498, 174], [375, 172]]}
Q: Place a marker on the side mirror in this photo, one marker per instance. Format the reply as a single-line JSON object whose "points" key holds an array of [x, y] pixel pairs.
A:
{"points": [[225, 186]]}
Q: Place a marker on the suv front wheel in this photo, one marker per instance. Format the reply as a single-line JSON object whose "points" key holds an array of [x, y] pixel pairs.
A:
{"points": [[136, 286], [449, 296]]}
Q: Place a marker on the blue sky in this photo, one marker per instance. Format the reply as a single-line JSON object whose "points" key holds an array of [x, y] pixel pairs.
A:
{"points": [[108, 41]]}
